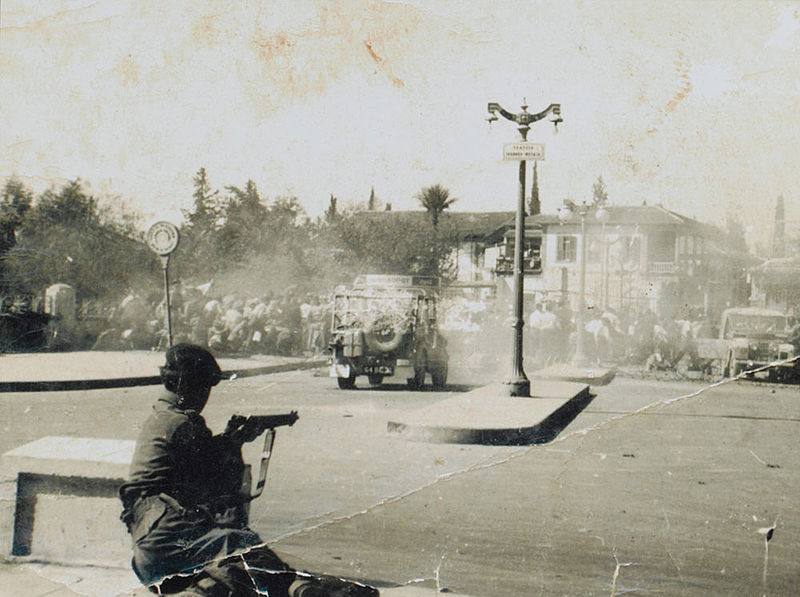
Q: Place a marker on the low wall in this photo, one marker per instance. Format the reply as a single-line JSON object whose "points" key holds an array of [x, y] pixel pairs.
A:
{"points": [[58, 501]]}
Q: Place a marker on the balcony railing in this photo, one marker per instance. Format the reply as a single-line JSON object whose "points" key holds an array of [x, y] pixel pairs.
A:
{"points": [[662, 267], [505, 266]]}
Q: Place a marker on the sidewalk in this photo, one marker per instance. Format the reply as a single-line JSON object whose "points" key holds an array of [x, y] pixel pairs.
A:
{"points": [[64, 371], [51, 580]]}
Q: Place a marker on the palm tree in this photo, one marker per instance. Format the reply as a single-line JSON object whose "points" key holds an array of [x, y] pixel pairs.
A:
{"points": [[435, 199]]}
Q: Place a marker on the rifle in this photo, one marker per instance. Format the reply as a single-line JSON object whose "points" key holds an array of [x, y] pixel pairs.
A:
{"points": [[262, 423]]}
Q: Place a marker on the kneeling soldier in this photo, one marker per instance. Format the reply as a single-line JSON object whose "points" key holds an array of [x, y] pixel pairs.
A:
{"points": [[183, 503]]}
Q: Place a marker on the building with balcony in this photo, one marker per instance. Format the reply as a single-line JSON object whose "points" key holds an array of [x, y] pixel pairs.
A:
{"points": [[641, 256]]}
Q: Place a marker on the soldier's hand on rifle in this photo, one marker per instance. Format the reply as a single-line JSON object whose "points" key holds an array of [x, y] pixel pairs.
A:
{"points": [[233, 423], [241, 430]]}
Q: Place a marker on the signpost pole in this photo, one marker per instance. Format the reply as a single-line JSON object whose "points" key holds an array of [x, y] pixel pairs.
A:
{"points": [[165, 268], [162, 238]]}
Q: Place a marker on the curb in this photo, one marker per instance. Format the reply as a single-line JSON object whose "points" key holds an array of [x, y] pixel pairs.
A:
{"points": [[150, 380], [594, 377], [541, 428]]}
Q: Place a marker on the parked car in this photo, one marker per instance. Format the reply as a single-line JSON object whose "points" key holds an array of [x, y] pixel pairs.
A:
{"points": [[757, 337], [387, 326], [27, 331]]}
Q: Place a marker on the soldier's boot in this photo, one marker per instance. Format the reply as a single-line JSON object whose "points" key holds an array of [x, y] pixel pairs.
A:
{"points": [[329, 586]]}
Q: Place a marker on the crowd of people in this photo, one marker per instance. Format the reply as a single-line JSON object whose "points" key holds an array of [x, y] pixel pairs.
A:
{"points": [[285, 323], [294, 323], [611, 337], [637, 337]]}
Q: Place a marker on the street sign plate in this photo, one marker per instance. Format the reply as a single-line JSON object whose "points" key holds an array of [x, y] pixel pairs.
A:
{"points": [[516, 152], [162, 238]]}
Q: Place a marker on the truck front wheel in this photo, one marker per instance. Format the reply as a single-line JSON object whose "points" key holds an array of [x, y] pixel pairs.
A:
{"points": [[347, 383], [416, 382], [439, 375]]}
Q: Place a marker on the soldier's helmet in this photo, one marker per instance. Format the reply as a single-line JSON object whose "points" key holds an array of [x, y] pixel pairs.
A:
{"points": [[189, 365]]}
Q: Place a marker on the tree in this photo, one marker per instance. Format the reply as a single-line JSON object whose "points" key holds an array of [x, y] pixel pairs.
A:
{"points": [[203, 217], [14, 204], [599, 193], [435, 199], [372, 203], [199, 238], [331, 214], [247, 200], [243, 218], [734, 234], [63, 239], [535, 206], [377, 242], [70, 207], [779, 231]]}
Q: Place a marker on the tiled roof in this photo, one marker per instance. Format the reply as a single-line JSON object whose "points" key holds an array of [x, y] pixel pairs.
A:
{"points": [[641, 215], [625, 214], [632, 214], [493, 225]]}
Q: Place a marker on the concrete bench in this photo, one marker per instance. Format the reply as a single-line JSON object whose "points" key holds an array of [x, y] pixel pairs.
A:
{"points": [[58, 501]]}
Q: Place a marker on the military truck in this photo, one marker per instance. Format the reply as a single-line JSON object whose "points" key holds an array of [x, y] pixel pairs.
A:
{"points": [[386, 326]]}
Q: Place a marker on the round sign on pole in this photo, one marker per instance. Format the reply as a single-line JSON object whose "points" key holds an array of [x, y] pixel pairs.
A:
{"points": [[162, 238]]}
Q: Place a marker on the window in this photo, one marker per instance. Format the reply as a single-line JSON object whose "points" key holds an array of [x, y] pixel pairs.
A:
{"points": [[633, 250], [594, 249], [661, 246], [532, 255], [625, 251], [566, 248], [686, 246]]}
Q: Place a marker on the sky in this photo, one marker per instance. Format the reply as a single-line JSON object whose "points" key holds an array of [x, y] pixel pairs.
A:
{"points": [[691, 104]]}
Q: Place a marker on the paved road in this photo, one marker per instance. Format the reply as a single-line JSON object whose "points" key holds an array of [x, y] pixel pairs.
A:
{"points": [[666, 501]]}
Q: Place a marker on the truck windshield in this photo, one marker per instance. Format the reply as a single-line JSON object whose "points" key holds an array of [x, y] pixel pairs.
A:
{"points": [[755, 325]]}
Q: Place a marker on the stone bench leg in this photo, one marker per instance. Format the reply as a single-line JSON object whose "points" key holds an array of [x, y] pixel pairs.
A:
{"points": [[31, 485]]}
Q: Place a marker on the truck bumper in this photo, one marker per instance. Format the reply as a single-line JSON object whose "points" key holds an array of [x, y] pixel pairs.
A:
{"points": [[401, 368], [339, 370]]}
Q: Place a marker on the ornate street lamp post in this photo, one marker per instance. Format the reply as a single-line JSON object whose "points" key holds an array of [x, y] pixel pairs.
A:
{"points": [[519, 384], [603, 216], [565, 214]]}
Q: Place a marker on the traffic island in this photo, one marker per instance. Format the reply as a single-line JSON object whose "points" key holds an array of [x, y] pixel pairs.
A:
{"points": [[488, 416], [594, 376]]}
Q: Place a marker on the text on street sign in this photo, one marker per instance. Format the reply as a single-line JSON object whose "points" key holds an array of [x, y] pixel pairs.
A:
{"points": [[516, 152]]}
